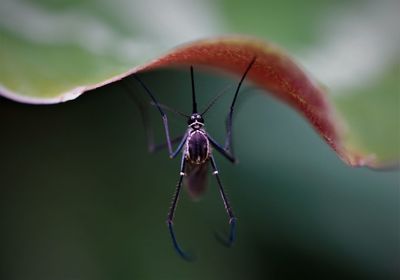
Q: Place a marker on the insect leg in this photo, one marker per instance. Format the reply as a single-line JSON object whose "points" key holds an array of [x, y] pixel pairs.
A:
{"points": [[232, 218], [221, 149], [179, 148], [158, 147], [143, 110], [182, 142], [144, 113], [163, 115], [181, 139], [170, 217], [228, 139]]}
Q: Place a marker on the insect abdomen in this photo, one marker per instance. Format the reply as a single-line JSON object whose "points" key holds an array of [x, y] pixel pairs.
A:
{"points": [[198, 147]]}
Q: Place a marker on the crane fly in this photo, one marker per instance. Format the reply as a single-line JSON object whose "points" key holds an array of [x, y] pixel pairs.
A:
{"points": [[196, 146]]}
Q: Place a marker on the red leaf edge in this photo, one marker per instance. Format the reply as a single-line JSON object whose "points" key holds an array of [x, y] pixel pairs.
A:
{"points": [[273, 71]]}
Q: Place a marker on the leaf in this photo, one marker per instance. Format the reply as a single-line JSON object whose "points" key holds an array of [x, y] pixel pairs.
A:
{"points": [[41, 74], [279, 75]]}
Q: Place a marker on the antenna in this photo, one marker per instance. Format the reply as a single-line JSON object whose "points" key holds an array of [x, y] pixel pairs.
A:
{"points": [[194, 106], [212, 102], [170, 109]]}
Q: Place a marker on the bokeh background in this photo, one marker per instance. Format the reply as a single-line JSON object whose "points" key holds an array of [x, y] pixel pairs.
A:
{"points": [[81, 198]]}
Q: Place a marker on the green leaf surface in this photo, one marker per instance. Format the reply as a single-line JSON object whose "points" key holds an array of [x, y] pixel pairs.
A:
{"points": [[81, 198], [373, 117], [52, 52], [32, 70]]}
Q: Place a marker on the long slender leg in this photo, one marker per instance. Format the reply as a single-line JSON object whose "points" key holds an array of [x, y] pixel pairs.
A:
{"points": [[143, 110], [171, 213], [228, 139], [180, 146], [232, 218], [221, 150], [158, 147], [182, 142], [163, 115]]}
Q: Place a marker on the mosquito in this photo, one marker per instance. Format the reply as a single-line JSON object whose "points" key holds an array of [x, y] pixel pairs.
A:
{"points": [[196, 146]]}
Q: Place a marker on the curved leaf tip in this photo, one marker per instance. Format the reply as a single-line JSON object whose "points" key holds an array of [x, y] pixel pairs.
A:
{"points": [[273, 71]]}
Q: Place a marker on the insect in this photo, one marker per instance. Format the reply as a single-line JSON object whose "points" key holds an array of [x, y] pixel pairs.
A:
{"points": [[197, 147]]}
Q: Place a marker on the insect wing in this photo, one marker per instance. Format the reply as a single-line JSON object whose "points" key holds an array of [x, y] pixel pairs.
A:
{"points": [[196, 178]]}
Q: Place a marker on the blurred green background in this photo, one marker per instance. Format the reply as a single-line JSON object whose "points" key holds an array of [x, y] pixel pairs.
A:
{"points": [[81, 197]]}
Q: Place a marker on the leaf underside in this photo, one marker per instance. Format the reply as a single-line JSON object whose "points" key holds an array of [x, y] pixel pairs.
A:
{"points": [[273, 71]]}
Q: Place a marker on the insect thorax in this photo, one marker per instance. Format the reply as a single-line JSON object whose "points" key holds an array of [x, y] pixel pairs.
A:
{"points": [[197, 146]]}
